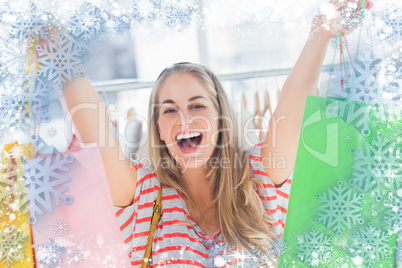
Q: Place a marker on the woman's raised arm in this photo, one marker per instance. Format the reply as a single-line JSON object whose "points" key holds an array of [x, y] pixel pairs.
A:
{"points": [[285, 125], [91, 119]]}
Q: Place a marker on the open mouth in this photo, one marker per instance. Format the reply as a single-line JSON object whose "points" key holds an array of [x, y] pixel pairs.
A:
{"points": [[189, 142]]}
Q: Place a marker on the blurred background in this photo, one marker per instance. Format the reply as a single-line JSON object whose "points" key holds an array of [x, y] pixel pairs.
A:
{"points": [[250, 44]]}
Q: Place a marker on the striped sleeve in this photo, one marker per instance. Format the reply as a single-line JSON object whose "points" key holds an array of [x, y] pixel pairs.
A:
{"points": [[275, 199], [127, 217]]}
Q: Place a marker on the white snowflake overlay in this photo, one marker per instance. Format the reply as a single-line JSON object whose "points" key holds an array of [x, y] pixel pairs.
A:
{"points": [[13, 196], [146, 10], [76, 256], [46, 181], [49, 253], [87, 22], [356, 79], [61, 227], [35, 109], [180, 14], [12, 245], [60, 61], [29, 23], [389, 21], [339, 208], [377, 167], [314, 248], [13, 60], [371, 245]]}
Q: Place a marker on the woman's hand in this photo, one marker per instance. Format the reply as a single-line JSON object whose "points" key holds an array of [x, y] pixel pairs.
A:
{"points": [[338, 16]]}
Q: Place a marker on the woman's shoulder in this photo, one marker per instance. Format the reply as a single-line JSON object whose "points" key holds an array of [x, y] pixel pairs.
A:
{"points": [[258, 166], [145, 173], [254, 155]]}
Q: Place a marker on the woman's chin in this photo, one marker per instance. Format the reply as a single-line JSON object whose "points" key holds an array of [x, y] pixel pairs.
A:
{"points": [[192, 161]]}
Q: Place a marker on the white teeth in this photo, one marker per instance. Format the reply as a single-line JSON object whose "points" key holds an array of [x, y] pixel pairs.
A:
{"points": [[188, 135]]}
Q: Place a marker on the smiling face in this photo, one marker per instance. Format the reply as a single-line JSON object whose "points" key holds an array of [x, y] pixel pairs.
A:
{"points": [[188, 120]]}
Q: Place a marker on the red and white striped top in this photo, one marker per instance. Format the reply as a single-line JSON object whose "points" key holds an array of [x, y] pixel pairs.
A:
{"points": [[185, 245]]}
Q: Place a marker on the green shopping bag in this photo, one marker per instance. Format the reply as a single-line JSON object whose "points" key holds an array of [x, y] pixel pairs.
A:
{"points": [[344, 202]]}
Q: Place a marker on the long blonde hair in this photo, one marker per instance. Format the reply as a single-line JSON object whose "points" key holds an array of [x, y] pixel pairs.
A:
{"points": [[240, 213]]}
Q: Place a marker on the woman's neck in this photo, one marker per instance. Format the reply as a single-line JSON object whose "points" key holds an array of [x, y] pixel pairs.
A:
{"points": [[198, 185], [200, 190]]}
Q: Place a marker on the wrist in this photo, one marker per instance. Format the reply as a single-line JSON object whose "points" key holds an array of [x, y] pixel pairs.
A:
{"points": [[319, 40]]}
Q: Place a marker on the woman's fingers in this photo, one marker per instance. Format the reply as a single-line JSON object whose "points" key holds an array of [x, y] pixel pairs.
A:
{"points": [[342, 3]]}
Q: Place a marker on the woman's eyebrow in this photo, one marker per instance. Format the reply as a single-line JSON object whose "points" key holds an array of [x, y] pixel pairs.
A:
{"points": [[190, 99], [196, 97]]}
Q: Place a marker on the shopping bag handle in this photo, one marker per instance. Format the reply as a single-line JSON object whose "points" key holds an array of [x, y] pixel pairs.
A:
{"points": [[156, 215]]}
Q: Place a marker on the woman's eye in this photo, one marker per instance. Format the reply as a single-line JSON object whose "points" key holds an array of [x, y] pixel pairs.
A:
{"points": [[170, 111], [198, 106]]}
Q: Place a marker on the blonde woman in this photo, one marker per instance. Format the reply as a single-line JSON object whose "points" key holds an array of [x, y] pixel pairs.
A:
{"points": [[221, 206]]}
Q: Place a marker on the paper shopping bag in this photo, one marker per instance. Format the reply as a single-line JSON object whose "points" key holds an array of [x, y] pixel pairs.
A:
{"points": [[15, 231], [71, 212], [344, 201]]}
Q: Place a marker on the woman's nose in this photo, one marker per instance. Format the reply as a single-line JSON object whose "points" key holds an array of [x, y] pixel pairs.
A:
{"points": [[185, 119]]}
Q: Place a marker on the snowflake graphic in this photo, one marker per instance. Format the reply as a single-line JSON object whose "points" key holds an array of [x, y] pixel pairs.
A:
{"points": [[146, 10], [12, 245], [2, 12], [120, 24], [373, 210], [286, 264], [52, 132], [339, 261], [350, 18], [12, 102], [399, 253], [341, 242], [4, 186], [377, 167], [30, 23], [11, 181], [356, 80], [46, 181], [61, 227], [363, 117], [221, 254], [278, 247], [36, 107], [49, 253], [76, 256], [100, 240], [337, 42], [60, 60], [262, 13], [87, 22], [314, 248], [24, 108], [370, 244], [256, 258], [179, 15], [390, 80], [340, 208], [347, 137], [13, 60], [391, 20], [392, 212], [218, 248], [164, 255]]}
